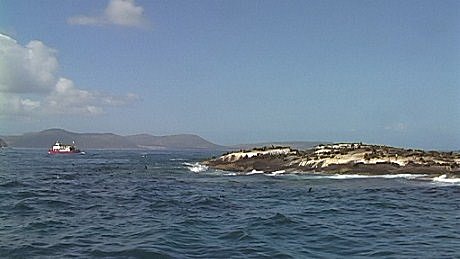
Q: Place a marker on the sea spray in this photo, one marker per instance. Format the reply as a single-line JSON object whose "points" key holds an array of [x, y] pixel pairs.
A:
{"points": [[444, 179], [196, 167]]}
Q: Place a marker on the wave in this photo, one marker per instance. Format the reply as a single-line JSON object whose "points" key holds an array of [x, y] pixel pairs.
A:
{"points": [[276, 173], [444, 179], [129, 253], [388, 176], [196, 167], [331, 176], [254, 171], [278, 220], [440, 179], [178, 159], [237, 235], [13, 183]]}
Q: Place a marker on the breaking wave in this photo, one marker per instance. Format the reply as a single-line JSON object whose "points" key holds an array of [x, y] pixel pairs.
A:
{"points": [[255, 172], [389, 176], [444, 179], [277, 173], [304, 175], [196, 167]]}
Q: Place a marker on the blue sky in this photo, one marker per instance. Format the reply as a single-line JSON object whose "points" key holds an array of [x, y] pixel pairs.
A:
{"points": [[384, 72]]}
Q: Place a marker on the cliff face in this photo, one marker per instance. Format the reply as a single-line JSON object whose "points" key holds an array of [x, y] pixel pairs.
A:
{"points": [[341, 158]]}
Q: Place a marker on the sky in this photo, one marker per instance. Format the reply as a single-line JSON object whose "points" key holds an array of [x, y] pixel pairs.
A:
{"points": [[382, 72]]}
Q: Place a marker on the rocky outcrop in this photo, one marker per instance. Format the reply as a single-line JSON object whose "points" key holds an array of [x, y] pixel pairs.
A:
{"points": [[341, 158], [3, 143]]}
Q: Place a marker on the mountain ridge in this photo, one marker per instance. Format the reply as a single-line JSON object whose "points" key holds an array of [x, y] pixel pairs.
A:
{"points": [[45, 138], [108, 140]]}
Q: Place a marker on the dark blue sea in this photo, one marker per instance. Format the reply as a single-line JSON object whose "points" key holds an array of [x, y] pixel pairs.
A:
{"points": [[158, 204]]}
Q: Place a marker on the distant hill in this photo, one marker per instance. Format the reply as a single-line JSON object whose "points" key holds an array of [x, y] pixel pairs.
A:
{"points": [[46, 138], [183, 141], [3, 143]]}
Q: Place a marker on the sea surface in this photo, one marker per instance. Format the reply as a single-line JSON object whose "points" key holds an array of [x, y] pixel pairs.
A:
{"points": [[158, 204]]}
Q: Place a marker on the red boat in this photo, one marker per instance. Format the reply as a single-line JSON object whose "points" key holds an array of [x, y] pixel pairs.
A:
{"points": [[60, 148]]}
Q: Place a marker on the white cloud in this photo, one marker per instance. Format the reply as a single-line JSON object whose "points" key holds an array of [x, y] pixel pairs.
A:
{"points": [[29, 68], [66, 98], [117, 12], [31, 86], [13, 105], [125, 12]]}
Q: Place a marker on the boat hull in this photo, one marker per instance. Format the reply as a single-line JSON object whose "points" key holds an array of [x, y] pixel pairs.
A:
{"points": [[54, 152]]}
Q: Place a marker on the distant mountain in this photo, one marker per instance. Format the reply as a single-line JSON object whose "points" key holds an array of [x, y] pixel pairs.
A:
{"points": [[183, 141], [3, 143], [46, 138]]}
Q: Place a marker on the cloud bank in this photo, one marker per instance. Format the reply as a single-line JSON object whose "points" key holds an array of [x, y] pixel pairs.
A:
{"points": [[117, 12], [30, 84], [29, 68]]}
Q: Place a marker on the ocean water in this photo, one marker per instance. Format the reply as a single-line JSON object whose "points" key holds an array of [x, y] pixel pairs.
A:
{"points": [[134, 204]]}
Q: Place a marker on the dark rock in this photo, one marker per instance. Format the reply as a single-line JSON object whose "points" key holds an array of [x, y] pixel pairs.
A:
{"points": [[3, 143]]}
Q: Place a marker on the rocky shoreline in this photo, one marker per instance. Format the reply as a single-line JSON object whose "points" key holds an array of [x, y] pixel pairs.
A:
{"points": [[342, 158]]}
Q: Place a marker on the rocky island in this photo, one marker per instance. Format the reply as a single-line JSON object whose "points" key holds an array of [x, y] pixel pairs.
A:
{"points": [[342, 158]]}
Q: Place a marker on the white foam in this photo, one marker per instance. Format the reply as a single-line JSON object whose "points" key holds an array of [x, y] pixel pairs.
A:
{"points": [[255, 172], [277, 173], [360, 176], [443, 179], [196, 167], [407, 176], [177, 159]]}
